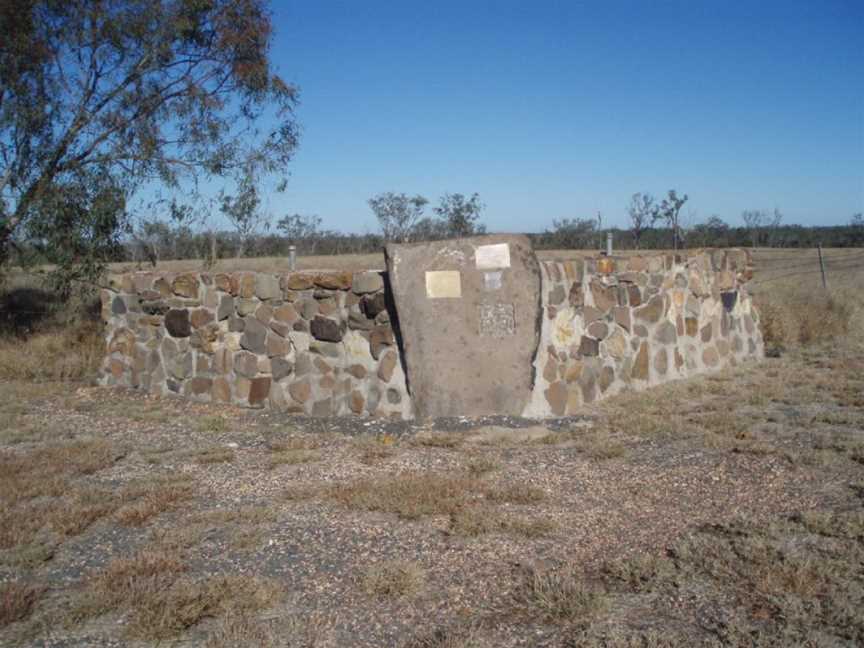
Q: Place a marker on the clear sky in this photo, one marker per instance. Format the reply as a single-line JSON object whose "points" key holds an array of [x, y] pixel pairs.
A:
{"points": [[555, 110]]}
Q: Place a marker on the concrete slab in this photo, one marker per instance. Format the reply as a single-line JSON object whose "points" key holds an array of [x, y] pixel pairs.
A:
{"points": [[469, 316]]}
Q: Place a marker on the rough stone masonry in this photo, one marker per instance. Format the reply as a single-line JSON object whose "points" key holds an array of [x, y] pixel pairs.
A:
{"points": [[480, 324]]}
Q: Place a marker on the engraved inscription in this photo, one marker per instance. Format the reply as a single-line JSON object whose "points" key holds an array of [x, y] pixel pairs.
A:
{"points": [[490, 257], [443, 284], [497, 320]]}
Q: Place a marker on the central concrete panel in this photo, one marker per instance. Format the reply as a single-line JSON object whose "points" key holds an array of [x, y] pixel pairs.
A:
{"points": [[469, 316]]}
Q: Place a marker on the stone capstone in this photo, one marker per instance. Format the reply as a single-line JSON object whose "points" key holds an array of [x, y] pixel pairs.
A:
{"points": [[367, 282]]}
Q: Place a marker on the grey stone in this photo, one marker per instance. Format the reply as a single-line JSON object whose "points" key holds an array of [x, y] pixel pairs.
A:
{"points": [[729, 299], [303, 364], [267, 287], [236, 324], [155, 307], [246, 364], [666, 333], [371, 305], [118, 306], [359, 322], [394, 397], [557, 295], [329, 349], [254, 336], [367, 282], [226, 307], [326, 329], [453, 369]]}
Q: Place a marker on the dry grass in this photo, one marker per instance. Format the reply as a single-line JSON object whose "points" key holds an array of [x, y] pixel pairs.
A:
{"points": [[410, 496], [213, 455], [17, 601], [144, 501], [393, 579], [557, 595], [71, 352], [375, 448], [447, 440], [162, 601], [460, 636], [308, 631]]}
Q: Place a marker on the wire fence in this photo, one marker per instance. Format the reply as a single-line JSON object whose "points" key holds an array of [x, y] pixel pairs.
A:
{"points": [[808, 264]]}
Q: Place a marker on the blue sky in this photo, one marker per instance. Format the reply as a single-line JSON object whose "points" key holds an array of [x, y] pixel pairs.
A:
{"points": [[555, 110]]}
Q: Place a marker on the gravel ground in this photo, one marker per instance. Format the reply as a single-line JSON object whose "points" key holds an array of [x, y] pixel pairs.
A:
{"points": [[631, 493]]}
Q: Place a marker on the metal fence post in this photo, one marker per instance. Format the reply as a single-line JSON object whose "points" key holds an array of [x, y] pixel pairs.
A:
{"points": [[822, 268], [292, 257], [608, 243]]}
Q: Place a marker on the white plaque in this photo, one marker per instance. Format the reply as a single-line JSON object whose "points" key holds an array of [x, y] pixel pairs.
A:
{"points": [[443, 283], [491, 257]]}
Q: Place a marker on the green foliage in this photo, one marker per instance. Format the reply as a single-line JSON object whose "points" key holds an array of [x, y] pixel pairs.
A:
{"points": [[460, 215], [100, 99], [398, 214]]}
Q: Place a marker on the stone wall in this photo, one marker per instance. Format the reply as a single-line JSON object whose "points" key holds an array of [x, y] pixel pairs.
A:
{"points": [[328, 343], [314, 343], [618, 323]]}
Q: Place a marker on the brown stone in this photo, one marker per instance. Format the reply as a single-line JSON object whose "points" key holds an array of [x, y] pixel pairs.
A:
{"points": [[322, 366], [640, 331], [379, 338], [679, 359], [550, 371], [574, 371], [605, 297], [242, 386], [201, 317], [634, 295], [589, 346], [590, 314], [723, 347], [300, 391], [556, 396], [575, 297], [598, 330], [640, 365], [220, 390], [691, 326], [163, 287], [222, 282], [286, 313], [247, 286], [327, 382], [259, 391], [605, 265], [652, 311], [616, 344], [277, 345], [116, 368], [621, 314], [123, 342], [297, 282], [185, 285], [661, 362], [710, 357], [387, 366], [706, 333], [607, 376], [334, 280], [358, 371], [264, 313], [177, 323], [356, 402], [200, 385]]}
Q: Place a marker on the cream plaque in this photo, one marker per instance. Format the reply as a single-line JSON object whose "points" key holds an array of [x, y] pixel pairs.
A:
{"points": [[492, 257], [443, 283]]}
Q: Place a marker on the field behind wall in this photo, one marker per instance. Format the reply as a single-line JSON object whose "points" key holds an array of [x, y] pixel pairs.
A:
{"points": [[725, 510]]}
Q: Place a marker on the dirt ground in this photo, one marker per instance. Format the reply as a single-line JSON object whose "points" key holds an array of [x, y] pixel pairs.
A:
{"points": [[724, 510]]}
